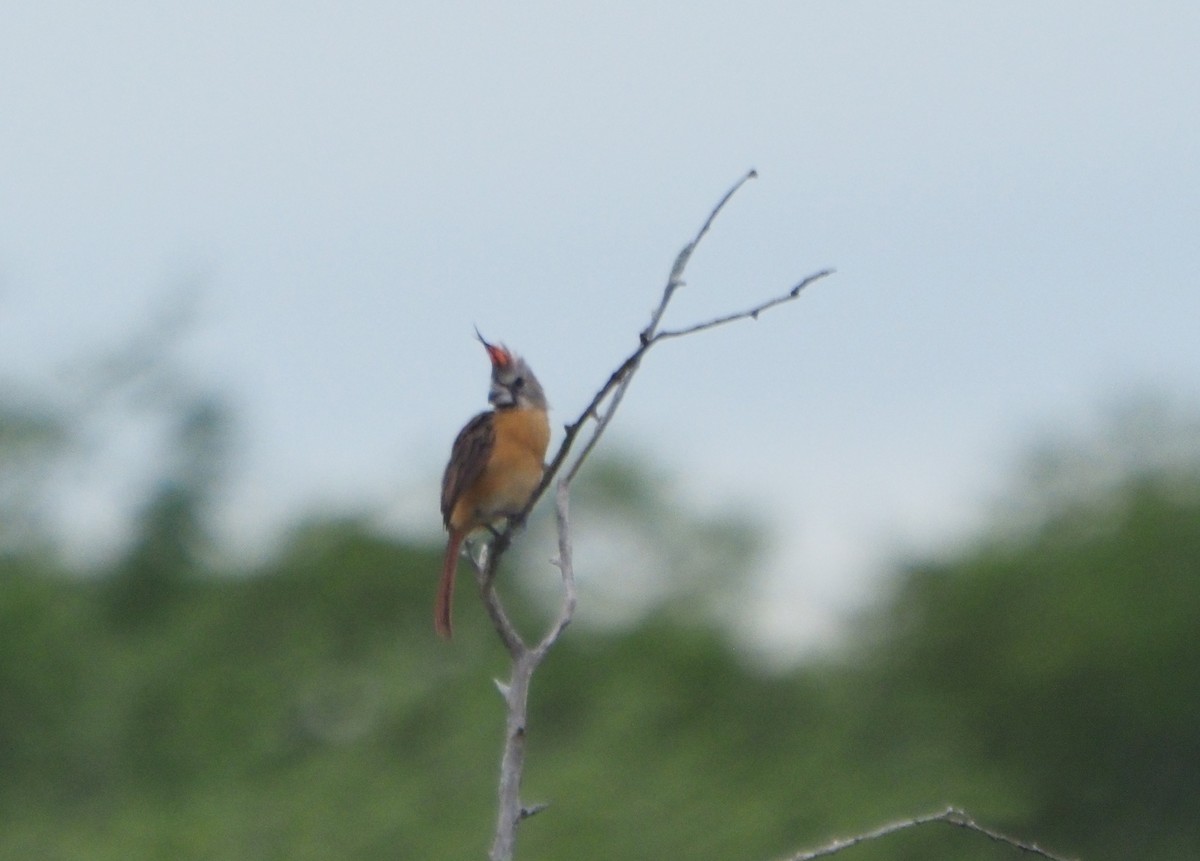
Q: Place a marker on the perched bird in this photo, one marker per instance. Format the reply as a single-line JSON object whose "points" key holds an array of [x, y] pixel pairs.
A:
{"points": [[495, 464]]}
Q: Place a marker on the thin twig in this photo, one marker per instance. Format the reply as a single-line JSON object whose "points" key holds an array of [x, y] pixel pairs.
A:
{"points": [[507, 631], [534, 810], [675, 279], [619, 379], [618, 383], [645, 340], [751, 313], [602, 422], [566, 566], [961, 819], [951, 816]]}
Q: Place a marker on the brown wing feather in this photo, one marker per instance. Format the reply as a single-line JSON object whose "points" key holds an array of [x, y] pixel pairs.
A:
{"points": [[469, 455]]}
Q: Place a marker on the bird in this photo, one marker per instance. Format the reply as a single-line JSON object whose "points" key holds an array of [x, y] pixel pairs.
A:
{"points": [[496, 463]]}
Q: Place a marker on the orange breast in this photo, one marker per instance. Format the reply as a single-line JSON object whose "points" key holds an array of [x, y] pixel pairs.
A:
{"points": [[513, 470]]}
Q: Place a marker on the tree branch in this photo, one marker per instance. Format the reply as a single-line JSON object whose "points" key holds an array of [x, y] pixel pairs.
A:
{"points": [[675, 279], [524, 658], [485, 570], [619, 380], [566, 566], [950, 816], [511, 811], [751, 313]]}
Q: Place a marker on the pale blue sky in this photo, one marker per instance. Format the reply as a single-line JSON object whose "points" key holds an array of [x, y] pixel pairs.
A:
{"points": [[1009, 193]]}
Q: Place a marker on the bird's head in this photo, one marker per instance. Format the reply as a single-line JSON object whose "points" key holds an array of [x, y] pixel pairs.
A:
{"points": [[513, 382]]}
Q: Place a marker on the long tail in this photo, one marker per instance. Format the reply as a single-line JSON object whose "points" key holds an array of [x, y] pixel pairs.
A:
{"points": [[445, 595]]}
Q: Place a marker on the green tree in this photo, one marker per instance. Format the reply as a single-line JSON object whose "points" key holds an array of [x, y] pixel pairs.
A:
{"points": [[301, 708], [1064, 647], [172, 533]]}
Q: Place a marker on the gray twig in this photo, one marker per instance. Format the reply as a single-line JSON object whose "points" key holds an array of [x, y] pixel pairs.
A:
{"points": [[950, 816]]}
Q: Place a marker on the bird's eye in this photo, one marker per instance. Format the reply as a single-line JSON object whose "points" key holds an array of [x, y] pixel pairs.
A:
{"points": [[518, 382]]}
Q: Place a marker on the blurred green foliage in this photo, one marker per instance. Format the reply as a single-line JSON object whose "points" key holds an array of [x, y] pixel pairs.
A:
{"points": [[1044, 677]]}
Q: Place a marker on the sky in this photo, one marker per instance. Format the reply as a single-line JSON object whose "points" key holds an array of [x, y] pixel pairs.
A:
{"points": [[1008, 192]]}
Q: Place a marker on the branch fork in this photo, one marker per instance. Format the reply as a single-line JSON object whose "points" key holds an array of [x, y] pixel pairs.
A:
{"points": [[526, 657], [950, 816]]}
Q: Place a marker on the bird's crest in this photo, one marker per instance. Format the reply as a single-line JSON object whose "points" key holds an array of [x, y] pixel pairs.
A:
{"points": [[498, 353]]}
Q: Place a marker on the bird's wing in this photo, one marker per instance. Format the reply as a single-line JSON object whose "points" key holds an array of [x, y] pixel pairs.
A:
{"points": [[468, 457]]}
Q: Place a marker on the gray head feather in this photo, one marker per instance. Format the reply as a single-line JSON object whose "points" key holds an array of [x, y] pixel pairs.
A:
{"points": [[514, 385]]}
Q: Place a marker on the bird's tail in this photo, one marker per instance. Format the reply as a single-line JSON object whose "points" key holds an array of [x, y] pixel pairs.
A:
{"points": [[445, 597]]}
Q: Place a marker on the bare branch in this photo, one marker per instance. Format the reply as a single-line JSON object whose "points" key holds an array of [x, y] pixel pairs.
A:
{"points": [[602, 422], [613, 389], [751, 313], [566, 565], [950, 816], [525, 659], [961, 819], [485, 576], [675, 279], [510, 811]]}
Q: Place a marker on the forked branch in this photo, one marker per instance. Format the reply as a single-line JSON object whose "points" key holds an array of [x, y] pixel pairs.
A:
{"points": [[526, 658], [600, 410], [950, 816]]}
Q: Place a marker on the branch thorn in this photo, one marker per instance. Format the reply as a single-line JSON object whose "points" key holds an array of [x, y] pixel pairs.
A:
{"points": [[533, 810]]}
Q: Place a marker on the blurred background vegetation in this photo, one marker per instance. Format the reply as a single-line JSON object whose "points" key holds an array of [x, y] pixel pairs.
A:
{"points": [[171, 704]]}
